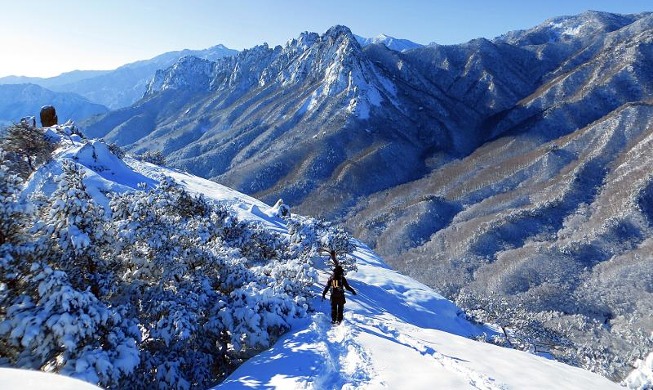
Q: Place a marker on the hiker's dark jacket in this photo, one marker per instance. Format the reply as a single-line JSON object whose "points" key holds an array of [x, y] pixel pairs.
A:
{"points": [[337, 293]]}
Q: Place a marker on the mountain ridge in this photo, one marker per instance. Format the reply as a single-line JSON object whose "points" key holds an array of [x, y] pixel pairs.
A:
{"points": [[396, 331], [25, 100]]}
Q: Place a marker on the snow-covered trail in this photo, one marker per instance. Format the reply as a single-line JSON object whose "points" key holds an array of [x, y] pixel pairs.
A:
{"points": [[398, 333]]}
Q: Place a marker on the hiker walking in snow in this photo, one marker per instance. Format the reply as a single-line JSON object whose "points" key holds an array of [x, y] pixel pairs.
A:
{"points": [[337, 284]]}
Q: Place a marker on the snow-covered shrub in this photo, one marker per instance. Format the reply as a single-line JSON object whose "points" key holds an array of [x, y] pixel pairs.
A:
{"points": [[72, 232], [48, 320], [12, 219], [152, 157], [26, 148], [184, 204], [256, 243], [116, 150], [280, 210], [55, 327], [641, 377], [207, 289], [13, 224], [317, 239]]}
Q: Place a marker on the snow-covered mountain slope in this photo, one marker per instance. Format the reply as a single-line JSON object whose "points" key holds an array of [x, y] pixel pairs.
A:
{"points": [[567, 28], [391, 43], [14, 379], [397, 332], [359, 119]]}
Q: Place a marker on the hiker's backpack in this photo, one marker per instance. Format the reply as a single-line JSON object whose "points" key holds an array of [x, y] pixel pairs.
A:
{"points": [[337, 287]]}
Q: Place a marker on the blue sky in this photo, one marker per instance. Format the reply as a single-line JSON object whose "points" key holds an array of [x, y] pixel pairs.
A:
{"points": [[45, 38]]}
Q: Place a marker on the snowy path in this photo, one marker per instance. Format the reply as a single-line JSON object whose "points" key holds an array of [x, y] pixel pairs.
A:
{"points": [[398, 333]]}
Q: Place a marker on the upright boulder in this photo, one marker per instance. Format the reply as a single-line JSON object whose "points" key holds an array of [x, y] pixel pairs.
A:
{"points": [[48, 116]]}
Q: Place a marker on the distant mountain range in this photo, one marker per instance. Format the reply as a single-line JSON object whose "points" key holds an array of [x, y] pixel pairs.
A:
{"points": [[113, 89], [120, 87], [21, 100], [389, 42]]}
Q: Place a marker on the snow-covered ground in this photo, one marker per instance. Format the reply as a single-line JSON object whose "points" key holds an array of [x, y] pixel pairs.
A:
{"points": [[397, 333], [13, 379], [642, 376]]}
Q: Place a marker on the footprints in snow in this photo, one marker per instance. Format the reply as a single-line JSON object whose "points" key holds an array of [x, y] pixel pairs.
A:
{"points": [[346, 361], [474, 378]]}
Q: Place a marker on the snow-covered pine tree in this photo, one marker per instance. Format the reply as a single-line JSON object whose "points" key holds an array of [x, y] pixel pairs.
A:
{"points": [[13, 223], [52, 326], [46, 322], [72, 233], [12, 212], [316, 238], [26, 147], [156, 289], [152, 157], [178, 276]]}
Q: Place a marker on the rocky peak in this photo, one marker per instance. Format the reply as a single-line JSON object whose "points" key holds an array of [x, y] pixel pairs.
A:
{"points": [[308, 56], [190, 73], [339, 32], [304, 41], [335, 66]]}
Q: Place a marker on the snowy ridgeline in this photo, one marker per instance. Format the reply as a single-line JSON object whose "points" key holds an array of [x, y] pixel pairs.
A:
{"points": [[398, 334], [129, 275], [124, 276]]}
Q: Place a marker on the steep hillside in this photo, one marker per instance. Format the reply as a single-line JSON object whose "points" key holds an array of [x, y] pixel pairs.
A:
{"points": [[359, 120], [554, 214]]}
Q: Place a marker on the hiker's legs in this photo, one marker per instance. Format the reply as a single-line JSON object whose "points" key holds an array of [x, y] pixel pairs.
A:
{"points": [[341, 309], [334, 311]]}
